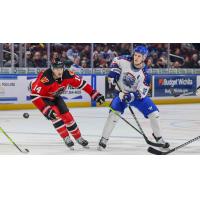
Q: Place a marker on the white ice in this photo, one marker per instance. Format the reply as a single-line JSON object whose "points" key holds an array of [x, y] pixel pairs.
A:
{"points": [[179, 123]]}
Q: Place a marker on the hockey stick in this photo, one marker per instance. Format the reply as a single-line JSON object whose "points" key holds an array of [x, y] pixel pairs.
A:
{"points": [[22, 151], [145, 137], [139, 131], [157, 152], [176, 94]]}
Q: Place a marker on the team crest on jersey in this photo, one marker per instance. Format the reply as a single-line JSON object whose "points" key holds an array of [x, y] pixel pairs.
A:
{"points": [[58, 92], [129, 79], [44, 79]]}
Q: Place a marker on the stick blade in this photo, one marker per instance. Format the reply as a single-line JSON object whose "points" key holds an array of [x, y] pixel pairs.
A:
{"points": [[154, 151], [25, 151]]}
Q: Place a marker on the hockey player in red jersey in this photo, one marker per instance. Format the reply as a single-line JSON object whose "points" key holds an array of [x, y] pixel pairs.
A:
{"points": [[46, 93]]}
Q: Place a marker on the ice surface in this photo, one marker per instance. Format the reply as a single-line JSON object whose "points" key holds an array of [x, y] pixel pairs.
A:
{"points": [[179, 123]]}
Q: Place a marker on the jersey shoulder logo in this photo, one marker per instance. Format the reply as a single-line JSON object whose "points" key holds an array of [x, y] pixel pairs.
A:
{"points": [[71, 73], [68, 74], [44, 79]]}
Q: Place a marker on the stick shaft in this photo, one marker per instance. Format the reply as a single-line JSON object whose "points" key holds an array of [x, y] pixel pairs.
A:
{"points": [[186, 143], [9, 138], [133, 114], [175, 94], [125, 120]]}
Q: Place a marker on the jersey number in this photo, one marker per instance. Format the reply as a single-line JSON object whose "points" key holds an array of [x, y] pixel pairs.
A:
{"points": [[37, 89], [77, 78]]}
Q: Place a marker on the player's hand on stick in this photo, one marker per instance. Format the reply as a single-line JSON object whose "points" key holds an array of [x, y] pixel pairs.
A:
{"points": [[49, 113], [126, 97], [100, 99], [96, 96]]}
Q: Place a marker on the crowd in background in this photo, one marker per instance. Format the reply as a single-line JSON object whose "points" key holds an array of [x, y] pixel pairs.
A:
{"points": [[81, 55], [180, 55]]}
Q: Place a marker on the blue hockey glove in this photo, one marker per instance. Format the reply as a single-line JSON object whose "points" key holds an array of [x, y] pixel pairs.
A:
{"points": [[114, 75], [126, 97]]}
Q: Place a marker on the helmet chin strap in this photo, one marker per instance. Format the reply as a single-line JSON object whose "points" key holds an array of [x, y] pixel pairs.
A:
{"points": [[138, 64]]}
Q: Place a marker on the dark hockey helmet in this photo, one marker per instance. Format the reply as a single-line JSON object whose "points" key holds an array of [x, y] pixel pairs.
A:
{"points": [[57, 64]]}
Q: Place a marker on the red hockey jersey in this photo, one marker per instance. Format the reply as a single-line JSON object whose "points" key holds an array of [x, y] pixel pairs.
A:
{"points": [[45, 86]]}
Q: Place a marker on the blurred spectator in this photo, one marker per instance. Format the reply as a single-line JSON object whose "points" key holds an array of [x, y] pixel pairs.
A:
{"points": [[72, 53], [86, 52], [154, 58], [161, 63], [160, 49], [149, 62], [96, 59], [177, 55], [176, 64], [37, 47], [76, 64], [54, 56], [45, 60], [28, 59], [7, 46], [7, 60], [38, 61], [84, 64], [79, 54], [195, 62], [104, 53], [125, 49], [186, 62], [63, 57]]}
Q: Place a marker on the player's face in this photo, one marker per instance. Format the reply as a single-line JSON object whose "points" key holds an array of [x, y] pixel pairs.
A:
{"points": [[58, 72], [138, 60]]}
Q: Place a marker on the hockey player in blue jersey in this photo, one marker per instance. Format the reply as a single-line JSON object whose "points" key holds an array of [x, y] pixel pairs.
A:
{"points": [[131, 74]]}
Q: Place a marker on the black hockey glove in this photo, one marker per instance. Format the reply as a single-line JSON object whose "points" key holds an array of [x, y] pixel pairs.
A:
{"points": [[49, 113], [96, 96]]}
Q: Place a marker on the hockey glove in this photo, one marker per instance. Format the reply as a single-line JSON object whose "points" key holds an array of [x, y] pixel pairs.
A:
{"points": [[96, 96], [49, 113], [126, 97], [114, 76]]}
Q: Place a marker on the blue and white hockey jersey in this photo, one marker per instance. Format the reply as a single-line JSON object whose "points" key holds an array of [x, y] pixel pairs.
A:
{"points": [[131, 79]]}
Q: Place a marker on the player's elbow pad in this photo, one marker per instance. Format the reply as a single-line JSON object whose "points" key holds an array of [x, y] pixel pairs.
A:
{"points": [[115, 73]]}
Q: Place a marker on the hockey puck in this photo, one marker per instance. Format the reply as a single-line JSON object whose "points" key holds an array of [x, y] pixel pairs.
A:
{"points": [[26, 115], [26, 150]]}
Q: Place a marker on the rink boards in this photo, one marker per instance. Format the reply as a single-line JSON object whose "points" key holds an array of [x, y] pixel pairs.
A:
{"points": [[14, 92]]}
